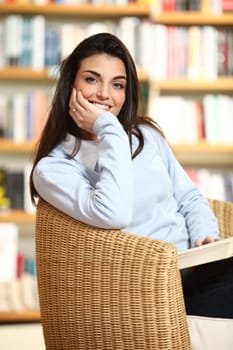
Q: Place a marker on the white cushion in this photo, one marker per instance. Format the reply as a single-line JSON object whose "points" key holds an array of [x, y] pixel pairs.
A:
{"points": [[207, 333]]}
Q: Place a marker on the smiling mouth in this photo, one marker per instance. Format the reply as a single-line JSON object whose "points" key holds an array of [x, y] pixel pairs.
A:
{"points": [[99, 105]]}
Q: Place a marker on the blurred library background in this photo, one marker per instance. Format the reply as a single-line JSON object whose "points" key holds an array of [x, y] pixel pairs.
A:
{"points": [[183, 50]]}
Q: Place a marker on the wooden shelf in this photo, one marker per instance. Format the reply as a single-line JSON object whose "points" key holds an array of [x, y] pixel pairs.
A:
{"points": [[17, 216], [192, 18], [25, 316], [85, 10], [204, 147], [8, 146], [45, 75], [221, 84], [216, 154], [204, 155], [19, 73]]}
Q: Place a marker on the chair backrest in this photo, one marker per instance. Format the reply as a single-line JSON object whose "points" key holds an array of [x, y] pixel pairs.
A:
{"points": [[106, 289], [224, 212]]}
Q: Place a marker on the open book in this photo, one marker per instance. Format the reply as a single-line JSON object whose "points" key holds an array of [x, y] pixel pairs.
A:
{"points": [[206, 253]]}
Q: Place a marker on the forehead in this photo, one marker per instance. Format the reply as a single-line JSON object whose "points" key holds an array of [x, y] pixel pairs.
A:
{"points": [[103, 64]]}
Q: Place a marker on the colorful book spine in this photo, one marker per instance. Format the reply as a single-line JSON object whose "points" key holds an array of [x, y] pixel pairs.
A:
{"points": [[192, 120], [13, 42]]}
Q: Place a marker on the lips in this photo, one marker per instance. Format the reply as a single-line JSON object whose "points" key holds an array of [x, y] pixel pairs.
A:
{"points": [[102, 106]]}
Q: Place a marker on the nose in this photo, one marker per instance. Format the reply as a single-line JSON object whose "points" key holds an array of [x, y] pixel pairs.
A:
{"points": [[103, 91]]}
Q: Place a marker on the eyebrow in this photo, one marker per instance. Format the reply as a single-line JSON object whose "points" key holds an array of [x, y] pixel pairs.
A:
{"points": [[98, 75]]}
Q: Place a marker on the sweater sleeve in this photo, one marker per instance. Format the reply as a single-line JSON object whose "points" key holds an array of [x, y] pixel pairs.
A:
{"points": [[199, 217], [106, 203]]}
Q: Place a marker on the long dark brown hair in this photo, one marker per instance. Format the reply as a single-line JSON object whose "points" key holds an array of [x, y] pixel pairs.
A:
{"points": [[59, 121]]}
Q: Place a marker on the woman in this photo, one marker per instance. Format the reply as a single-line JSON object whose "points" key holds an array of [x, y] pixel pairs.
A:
{"points": [[102, 162]]}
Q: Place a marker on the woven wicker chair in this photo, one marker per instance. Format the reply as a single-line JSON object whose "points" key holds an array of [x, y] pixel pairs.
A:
{"points": [[106, 289]]}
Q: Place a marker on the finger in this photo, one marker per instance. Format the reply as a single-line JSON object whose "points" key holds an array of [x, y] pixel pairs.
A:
{"points": [[75, 106], [87, 107], [198, 243], [83, 103], [72, 102], [72, 98], [208, 239], [74, 95]]}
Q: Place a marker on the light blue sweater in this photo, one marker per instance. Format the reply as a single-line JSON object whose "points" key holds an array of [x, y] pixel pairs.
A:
{"points": [[151, 195]]}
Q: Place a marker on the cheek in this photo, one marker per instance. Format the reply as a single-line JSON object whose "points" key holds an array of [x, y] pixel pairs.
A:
{"points": [[77, 86], [121, 99], [87, 90]]}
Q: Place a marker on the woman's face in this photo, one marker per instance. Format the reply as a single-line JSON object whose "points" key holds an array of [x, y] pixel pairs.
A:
{"points": [[102, 80]]}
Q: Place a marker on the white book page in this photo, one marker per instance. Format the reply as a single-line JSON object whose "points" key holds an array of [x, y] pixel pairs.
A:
{"points": [[210, 252]]}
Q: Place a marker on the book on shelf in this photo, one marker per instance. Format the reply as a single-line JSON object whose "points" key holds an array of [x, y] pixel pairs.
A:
{"points": [[223, 48], [18, 285], [161, 6], [206, 6], [190, 120], [14, 187], [216, 184], [23, 115], [38, 45], [2, 45], [128, 29], [8, 251], [28, 206], [13, 31], [181, 5], [206, 253], [180, 119], [19, 294], [227, 5], [218, 118], [194, 52]]}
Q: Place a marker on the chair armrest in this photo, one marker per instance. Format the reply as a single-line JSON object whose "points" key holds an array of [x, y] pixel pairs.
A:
{"points": [[106, 289]]}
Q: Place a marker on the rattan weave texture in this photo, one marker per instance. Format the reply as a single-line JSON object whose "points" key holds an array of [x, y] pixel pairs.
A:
{"points": [[224, 212], [106, 289]]}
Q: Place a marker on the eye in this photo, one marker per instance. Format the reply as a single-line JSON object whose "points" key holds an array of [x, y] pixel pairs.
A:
{"points": [[119, 86], [90, 80]]}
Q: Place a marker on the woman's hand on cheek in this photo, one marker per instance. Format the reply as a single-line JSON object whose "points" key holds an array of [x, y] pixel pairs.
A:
{"points": [[83, 112]]}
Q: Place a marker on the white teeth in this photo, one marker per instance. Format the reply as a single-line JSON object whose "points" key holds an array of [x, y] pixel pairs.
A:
{"points": [[101, 106]]}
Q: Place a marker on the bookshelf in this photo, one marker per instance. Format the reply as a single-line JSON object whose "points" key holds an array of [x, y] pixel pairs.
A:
{"points": [[18, 75], [198, 155], [214, 152], [220, 155]]}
